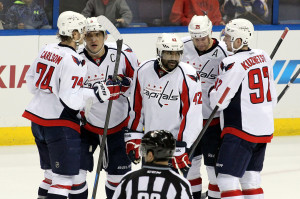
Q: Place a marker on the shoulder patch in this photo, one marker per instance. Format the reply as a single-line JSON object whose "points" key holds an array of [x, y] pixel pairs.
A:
{"points": [[229, 66], [194, 78], [75, 59]]}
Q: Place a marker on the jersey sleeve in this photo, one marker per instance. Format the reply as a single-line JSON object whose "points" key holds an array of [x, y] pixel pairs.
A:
{"points": [[231, 77], [191, 112], [30, 78], [272, 81], [136, 122], [71, 79]]}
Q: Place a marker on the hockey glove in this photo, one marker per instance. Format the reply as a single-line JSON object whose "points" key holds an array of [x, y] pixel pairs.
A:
{"points": [[117, 87], [181, 159], [133, 142], [101, 91]]}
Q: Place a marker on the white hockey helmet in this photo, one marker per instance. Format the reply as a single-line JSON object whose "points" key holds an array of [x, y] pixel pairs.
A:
{"points": [[200, 26], [69, 21], [168, 42], [92, 24], [240, 28]]}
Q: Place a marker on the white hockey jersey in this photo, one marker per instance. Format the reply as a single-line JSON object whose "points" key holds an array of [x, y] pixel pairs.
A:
{"points": [[247, 110], [206, 66], [99, 72], [56, 78], [172, 102]]}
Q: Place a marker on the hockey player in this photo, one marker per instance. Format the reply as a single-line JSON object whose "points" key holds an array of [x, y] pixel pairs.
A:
{"points": [[156, 179], [247, 113], [205, 54], [167, 94], [100, 59], [55, 78]]}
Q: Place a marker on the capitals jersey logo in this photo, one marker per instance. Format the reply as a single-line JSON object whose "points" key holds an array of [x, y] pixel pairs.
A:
{"points": [[229, 66], [75, 59], [160, 94], [194, 78]]}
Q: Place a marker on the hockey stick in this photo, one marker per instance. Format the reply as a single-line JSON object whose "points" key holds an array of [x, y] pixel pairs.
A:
{"points": [[279, 42], [116, 34], [288, 85], [194, 145]]}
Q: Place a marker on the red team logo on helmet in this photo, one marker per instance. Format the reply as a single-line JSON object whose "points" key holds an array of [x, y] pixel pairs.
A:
{"points": [[174, 39], [197, 27]]}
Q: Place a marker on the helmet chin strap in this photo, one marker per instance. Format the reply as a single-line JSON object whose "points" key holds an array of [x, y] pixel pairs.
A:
{"points": [[163, 68], [96, 53], [235, 49], [77, 42]]}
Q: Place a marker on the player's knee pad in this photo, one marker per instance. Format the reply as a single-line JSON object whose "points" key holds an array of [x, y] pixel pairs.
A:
{"points": [[194, 171], [250, 183], [250, 180], [211, 174], [112, 181], [194, 175], [213, 188], [79, 183], [61, 185], [46, 183], [227, 182]]}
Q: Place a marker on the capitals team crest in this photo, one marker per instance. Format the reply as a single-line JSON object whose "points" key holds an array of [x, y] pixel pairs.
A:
{"points": [[194, 78], [75, 59], [229, 66]]}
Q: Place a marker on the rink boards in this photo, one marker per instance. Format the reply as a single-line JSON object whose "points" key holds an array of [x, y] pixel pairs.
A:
{"points": [[20, 51]]}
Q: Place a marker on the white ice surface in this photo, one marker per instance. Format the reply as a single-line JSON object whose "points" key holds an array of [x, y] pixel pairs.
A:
{"points": [[20, 174]]}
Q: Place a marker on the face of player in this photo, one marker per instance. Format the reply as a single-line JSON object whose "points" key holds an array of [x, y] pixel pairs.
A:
{"points": [[202, 43], [236, 44], [94, 40], [170, 59]]}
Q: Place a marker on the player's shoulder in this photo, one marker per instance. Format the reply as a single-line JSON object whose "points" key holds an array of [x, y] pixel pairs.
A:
{"points": [[146, 65], [187, 68], [223, 47], [186, 39], [80, 50], [259, 51]]}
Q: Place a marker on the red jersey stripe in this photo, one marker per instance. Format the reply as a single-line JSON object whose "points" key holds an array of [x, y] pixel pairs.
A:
{"points": [[51, 122], [253, 191], [245, 136], [231, 193], [197, 181], [213, 187], [113, 130], [137, 106], [186, 105]]}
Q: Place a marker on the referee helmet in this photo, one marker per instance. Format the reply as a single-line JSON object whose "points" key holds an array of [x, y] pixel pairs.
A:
{"points": [[160, 142]]}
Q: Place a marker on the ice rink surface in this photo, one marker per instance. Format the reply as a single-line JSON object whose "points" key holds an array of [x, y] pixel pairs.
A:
{"points": [[20, 174]]}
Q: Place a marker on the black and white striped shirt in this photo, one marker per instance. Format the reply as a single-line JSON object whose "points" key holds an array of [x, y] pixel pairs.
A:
{"points": [[153, 182]]}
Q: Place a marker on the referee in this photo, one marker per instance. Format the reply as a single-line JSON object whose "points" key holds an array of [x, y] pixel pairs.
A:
{"points": [[156, 179]]}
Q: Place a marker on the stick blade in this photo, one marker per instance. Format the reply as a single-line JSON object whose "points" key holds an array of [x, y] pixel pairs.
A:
{"points": [[109, 26]]}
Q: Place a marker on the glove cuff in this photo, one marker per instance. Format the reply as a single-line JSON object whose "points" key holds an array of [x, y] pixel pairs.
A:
{"points": [[180, 148], [132, 135]]}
